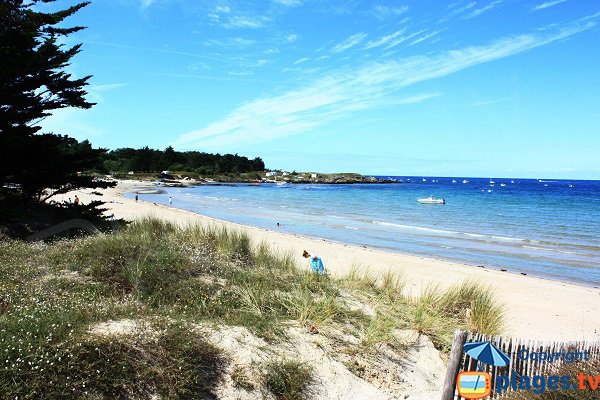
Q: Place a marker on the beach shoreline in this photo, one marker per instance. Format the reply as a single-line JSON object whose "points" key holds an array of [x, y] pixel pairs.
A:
{"points": [[536, 308]]}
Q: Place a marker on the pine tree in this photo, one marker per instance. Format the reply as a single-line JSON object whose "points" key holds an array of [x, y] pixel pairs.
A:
{"points": [[33, 83]]}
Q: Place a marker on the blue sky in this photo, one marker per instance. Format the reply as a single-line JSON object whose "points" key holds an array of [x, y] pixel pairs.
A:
{"points": [[467, 88]]}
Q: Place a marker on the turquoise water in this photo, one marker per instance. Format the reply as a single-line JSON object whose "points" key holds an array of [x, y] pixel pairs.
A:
{"points": [[543, 228]]}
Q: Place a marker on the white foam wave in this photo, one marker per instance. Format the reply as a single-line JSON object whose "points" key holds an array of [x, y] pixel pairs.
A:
{"points": [[451, 233], [548, 249]]}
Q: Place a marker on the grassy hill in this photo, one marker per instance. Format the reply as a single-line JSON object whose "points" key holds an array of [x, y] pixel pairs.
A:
{"points": [[161, 311]]}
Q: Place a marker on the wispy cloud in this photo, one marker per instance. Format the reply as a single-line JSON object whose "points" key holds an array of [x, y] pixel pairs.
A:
{"points": [[223, 9], [234, 41], [147, 3], [479, 11], [348, 43], [302, 60], [401, 39], [289, 3], [458, 9], [384, 39], [547, 4], [245, 22], [106, 88], [383, 12], [340, 93], [424, 37], [292, 37]]}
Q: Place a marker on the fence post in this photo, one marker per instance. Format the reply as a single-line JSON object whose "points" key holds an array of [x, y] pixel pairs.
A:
{"points": [[458, 342]]}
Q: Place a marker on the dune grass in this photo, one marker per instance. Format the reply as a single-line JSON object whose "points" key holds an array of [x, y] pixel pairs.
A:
{"points": [[288, 379], [177, 277]]}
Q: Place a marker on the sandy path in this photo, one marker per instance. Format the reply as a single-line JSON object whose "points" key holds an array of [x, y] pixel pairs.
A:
{"points": [[536, 308]]}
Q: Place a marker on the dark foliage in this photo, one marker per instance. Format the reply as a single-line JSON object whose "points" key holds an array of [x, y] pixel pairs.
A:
{"points": [[34, 167], [150, 160]]}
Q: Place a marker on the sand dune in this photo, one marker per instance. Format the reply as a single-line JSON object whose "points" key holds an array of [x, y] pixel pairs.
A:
{"points": [[536, 308]]}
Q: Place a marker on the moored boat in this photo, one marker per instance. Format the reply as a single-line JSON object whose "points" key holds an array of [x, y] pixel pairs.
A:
{"points": [[431, 200]]}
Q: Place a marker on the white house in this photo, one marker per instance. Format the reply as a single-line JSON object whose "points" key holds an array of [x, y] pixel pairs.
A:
{"points": [[272, 173]]}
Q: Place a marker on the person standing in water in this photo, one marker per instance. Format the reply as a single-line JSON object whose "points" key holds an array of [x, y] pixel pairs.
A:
{"points": [[136, 197]]}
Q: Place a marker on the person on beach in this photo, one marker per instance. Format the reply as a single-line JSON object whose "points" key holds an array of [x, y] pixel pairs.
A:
{"points": [[315, 263], [136, 197], [170, 201], [76, 200]]}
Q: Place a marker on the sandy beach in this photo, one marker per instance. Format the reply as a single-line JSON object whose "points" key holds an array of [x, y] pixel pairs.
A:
{"points": [[536, 308]]}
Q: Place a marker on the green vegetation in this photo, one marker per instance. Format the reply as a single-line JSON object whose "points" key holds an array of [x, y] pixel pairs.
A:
{"points": [[169, 280], [150, 160], [33, 84], [288, 379]]}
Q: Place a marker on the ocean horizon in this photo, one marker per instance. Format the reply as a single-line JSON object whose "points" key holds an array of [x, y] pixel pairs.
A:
{"points": [[541, 227]]}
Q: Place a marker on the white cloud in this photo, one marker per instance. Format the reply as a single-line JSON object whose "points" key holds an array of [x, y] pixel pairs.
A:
{"points": [[401, 39], [424, 37], [288, 3], [106, 88], [348, 43], [147, 3], [479, 11], [547, 4], [384, 39], [342, 92], [300, 61], [234, 41], [292, 37], [245, 22], [223, 9], [383, 12], [459, 10]]}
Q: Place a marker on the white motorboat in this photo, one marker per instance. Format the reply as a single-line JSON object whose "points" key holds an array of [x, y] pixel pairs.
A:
{"points": [[431, 200], [465, 181]]}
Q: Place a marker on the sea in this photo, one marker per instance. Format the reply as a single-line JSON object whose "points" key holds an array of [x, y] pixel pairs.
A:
{"points": [[545, 228]]}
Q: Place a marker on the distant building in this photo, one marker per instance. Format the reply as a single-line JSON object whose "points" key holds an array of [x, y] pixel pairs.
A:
{"points": [[314, 176], [285, 173], [272, 173]]}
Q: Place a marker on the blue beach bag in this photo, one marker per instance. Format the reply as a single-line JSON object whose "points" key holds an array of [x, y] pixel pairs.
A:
{"points": [[317, 265]]}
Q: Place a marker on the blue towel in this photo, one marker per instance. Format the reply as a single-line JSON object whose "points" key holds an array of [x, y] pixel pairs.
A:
{"points": [[317, 265]]}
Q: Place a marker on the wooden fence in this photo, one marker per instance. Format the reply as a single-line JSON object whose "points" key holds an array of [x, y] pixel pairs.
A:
{"points": [[459, 361]]}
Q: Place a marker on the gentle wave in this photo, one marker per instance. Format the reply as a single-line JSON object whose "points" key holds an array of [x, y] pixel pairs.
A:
{"points": [[446, 232]]}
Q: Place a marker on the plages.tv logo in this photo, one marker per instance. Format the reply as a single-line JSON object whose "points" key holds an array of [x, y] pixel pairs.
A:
{"points": [[474, 385], [478, 384]]}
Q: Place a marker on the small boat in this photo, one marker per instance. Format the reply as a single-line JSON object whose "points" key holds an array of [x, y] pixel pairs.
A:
{"points": [[453, 180], [281, 183], [465, 181], [571, 186], [431, 200], [512, 181], [503, 184], [424, 180]]}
